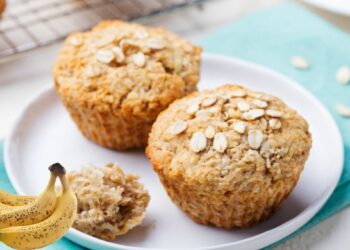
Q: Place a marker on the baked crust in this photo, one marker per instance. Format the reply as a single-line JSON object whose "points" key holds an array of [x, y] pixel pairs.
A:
{"points": [[234, 177], [115, 79], [2, 6]]}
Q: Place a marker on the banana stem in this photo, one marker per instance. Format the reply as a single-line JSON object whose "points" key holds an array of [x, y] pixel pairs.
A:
{"points": [[57, 169], [64, 183], [52, 181]]}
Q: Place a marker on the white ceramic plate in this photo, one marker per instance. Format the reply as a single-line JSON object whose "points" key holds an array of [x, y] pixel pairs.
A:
{"points": [[45, 134], [337, 6]]}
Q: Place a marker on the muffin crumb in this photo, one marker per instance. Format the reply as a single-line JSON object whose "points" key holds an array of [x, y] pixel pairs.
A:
{"points": [[110, 203]]}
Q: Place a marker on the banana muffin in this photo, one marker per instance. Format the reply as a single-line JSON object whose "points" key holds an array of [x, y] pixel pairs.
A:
{"points": [[110, 203], [115, 79], [229, 156]]}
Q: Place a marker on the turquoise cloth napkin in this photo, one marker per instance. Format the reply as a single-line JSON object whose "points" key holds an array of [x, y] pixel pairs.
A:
{"points": [[270, 38]]}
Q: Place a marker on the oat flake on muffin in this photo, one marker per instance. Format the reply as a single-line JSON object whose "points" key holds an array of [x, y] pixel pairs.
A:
{"points": [[115, 79], [110, 203], [235, 163]]}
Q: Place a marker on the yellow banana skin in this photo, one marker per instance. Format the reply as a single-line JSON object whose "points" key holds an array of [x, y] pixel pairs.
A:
{"points": [[15, 200], [48, 231], [4, 207], [32, 213]]}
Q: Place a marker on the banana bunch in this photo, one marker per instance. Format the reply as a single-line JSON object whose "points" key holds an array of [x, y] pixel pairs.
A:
{"points": [[28, 222]]}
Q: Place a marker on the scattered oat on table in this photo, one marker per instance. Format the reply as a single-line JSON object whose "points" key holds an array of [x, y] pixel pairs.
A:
{"points": [[343, 110], [300, 62], [343, 75]]}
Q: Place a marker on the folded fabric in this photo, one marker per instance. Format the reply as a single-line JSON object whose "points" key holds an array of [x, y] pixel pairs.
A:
{"points": [[271, 37]]}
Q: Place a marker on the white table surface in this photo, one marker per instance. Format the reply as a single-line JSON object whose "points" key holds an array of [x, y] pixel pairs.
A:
{"points": [[22, 78]]}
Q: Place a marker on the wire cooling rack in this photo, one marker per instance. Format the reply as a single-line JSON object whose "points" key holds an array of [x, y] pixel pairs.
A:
{"points": [[30, 24]]}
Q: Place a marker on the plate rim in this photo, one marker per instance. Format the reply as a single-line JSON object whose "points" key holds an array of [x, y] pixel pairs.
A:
{"points": [[291, 225], [326, 7]]}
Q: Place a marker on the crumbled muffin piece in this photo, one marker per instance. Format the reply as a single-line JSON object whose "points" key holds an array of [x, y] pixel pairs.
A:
{"points": [[110, 203]]}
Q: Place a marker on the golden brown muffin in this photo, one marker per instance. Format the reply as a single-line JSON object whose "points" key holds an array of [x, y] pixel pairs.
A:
{"points": [[229, 156], [2, 6], [110, 203], [115, 79]]}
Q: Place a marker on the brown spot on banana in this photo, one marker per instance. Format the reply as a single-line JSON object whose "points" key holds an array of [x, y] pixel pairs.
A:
{"points": [[14, 200]]}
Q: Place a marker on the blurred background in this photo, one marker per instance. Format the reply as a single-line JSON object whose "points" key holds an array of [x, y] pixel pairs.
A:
{"points": [[31, 34]]}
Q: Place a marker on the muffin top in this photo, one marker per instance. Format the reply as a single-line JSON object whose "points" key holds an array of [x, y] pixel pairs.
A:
{"points": [[229, 135], [127, 66]]}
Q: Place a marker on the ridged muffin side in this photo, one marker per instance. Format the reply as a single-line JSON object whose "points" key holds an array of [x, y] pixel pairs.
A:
{"points": [[115, 79], [230, 156]]}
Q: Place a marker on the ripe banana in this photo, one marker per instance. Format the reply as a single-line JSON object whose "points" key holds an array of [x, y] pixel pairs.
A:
{"points": [[15, 200], [34, 212], [48, 231], [4, 206]]}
